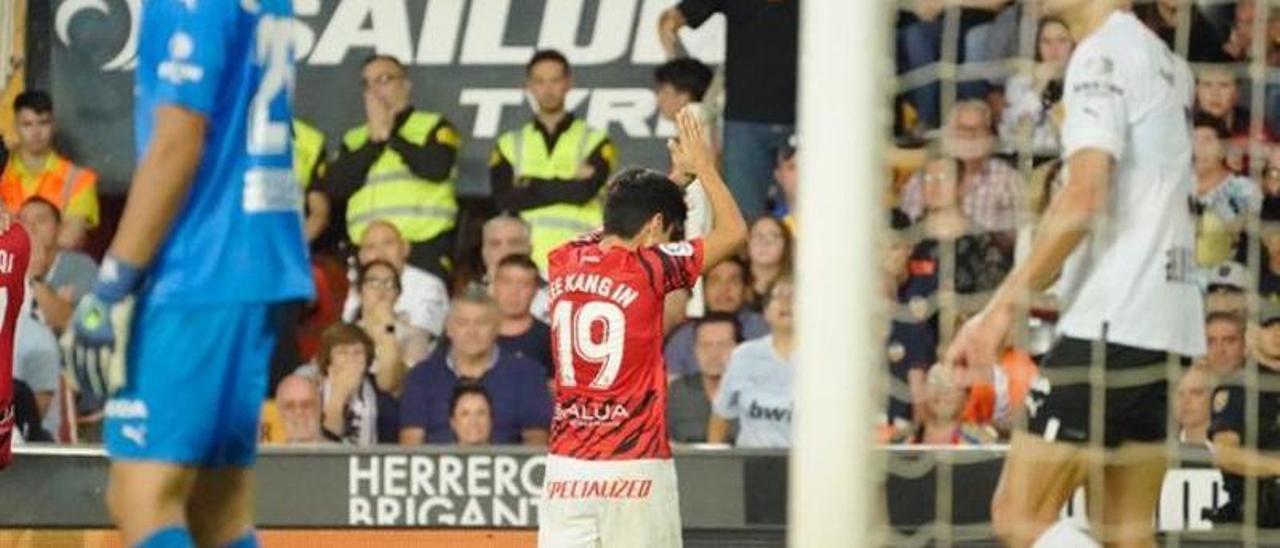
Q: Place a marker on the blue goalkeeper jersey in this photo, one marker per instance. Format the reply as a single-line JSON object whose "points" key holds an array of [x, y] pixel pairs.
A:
{"points": [[238, 235]]}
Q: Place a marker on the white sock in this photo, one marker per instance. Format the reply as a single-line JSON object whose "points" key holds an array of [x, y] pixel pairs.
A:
{"points": [[1064, 534]]}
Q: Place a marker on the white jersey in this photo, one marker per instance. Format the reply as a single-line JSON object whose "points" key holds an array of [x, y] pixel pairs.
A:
{"points": [[1131, 280]]}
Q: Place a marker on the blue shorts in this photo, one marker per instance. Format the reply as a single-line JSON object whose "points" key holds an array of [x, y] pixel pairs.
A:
{"points": [[196, 378]]}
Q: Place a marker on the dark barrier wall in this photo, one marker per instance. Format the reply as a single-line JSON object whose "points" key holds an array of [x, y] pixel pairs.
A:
{"points": [[466, 60], [499, 489]]}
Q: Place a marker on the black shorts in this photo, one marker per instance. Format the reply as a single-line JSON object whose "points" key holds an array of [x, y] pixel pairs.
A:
{"points": [[1058, 405]]}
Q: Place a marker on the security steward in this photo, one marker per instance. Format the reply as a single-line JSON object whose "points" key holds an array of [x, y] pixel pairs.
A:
{"points": [[400, 166], [551, 171], [1234, 453]]}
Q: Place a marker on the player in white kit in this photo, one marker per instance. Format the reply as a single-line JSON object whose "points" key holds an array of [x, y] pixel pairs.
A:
{"points": [[1121, 234]]}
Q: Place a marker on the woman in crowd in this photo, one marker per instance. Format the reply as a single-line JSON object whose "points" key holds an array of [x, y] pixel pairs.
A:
{"points": [[397, 344], [946, 392], [1033, 99], [756, 387], [770, 249], [354, 410]]}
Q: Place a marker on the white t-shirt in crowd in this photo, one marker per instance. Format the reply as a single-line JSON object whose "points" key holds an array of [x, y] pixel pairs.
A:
{"points": [[1132, 279], [756, 390], [424, 300]]}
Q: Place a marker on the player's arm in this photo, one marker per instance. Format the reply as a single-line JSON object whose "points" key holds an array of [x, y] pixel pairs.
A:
{"points": [[1063, 226], [692, 152], [160, 184]]}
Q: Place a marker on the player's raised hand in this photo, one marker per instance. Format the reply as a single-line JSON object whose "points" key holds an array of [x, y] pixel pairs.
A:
{"points": [[693, 147]]}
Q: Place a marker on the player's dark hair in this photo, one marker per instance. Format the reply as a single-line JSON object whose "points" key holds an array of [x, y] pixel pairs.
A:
{"points": [[341, 334], [519, 260], [548, 55], [1204, 119], [37, 101], [365, 268], [713, 318], [384, 57], [468, 388], [57, 213], [635, 196], [686, 74]]}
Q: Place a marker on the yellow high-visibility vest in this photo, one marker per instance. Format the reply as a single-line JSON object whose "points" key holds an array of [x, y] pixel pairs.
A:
{"points": [[419, 208], [308, 148], [554, 224]]}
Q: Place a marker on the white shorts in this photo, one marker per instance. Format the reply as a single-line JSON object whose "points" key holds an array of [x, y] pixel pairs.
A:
{"points": [[609, 504]]}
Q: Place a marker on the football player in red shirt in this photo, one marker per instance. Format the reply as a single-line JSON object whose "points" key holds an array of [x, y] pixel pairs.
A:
{"points": [[609, 478], [15, 257]]}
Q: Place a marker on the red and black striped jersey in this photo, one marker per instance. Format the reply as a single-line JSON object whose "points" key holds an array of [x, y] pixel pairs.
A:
{"points": [[15, 257], [606, 339]]}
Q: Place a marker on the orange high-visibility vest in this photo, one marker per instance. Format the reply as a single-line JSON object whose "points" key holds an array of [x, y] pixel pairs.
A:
{"points": [[58, 184]]}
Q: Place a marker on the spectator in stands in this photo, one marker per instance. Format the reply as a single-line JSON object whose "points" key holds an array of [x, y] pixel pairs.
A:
{"points": [[689, 401], [1225, 200], [1225, 334], [760, 86], [354, 410], [471, 415], [396, 342], [1033, 101], [298, 402], [424, 299], [26, 416], [1239, 43], [770, 249], [681, 84], [400, 166], [501, 237], [1245, 435], [35, 169], [756, 389], [725, 291], [309, 154], [1161, 16], [552, 169], [787, 174], [520, 334], [59, 277], [1225, 288], [1191, 403], [38, 363], [912, 343], [1218, 96], [1268, 276], [1271, 179], [991, 191], [517, 386], [945, 393], [920, 43], [981, 259]]}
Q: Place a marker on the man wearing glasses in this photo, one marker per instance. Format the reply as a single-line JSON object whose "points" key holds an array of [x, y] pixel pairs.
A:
{"points": [[400, 167]]}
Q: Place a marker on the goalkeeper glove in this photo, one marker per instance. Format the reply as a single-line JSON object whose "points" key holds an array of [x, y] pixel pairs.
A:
{"points": [[95, 343]]}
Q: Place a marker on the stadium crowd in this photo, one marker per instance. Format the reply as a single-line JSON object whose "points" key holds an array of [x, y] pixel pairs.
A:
{"points": [[431, 326]]}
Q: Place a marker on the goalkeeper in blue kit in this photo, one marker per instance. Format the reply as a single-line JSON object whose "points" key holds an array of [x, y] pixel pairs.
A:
{"points": [[210, 241]]}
